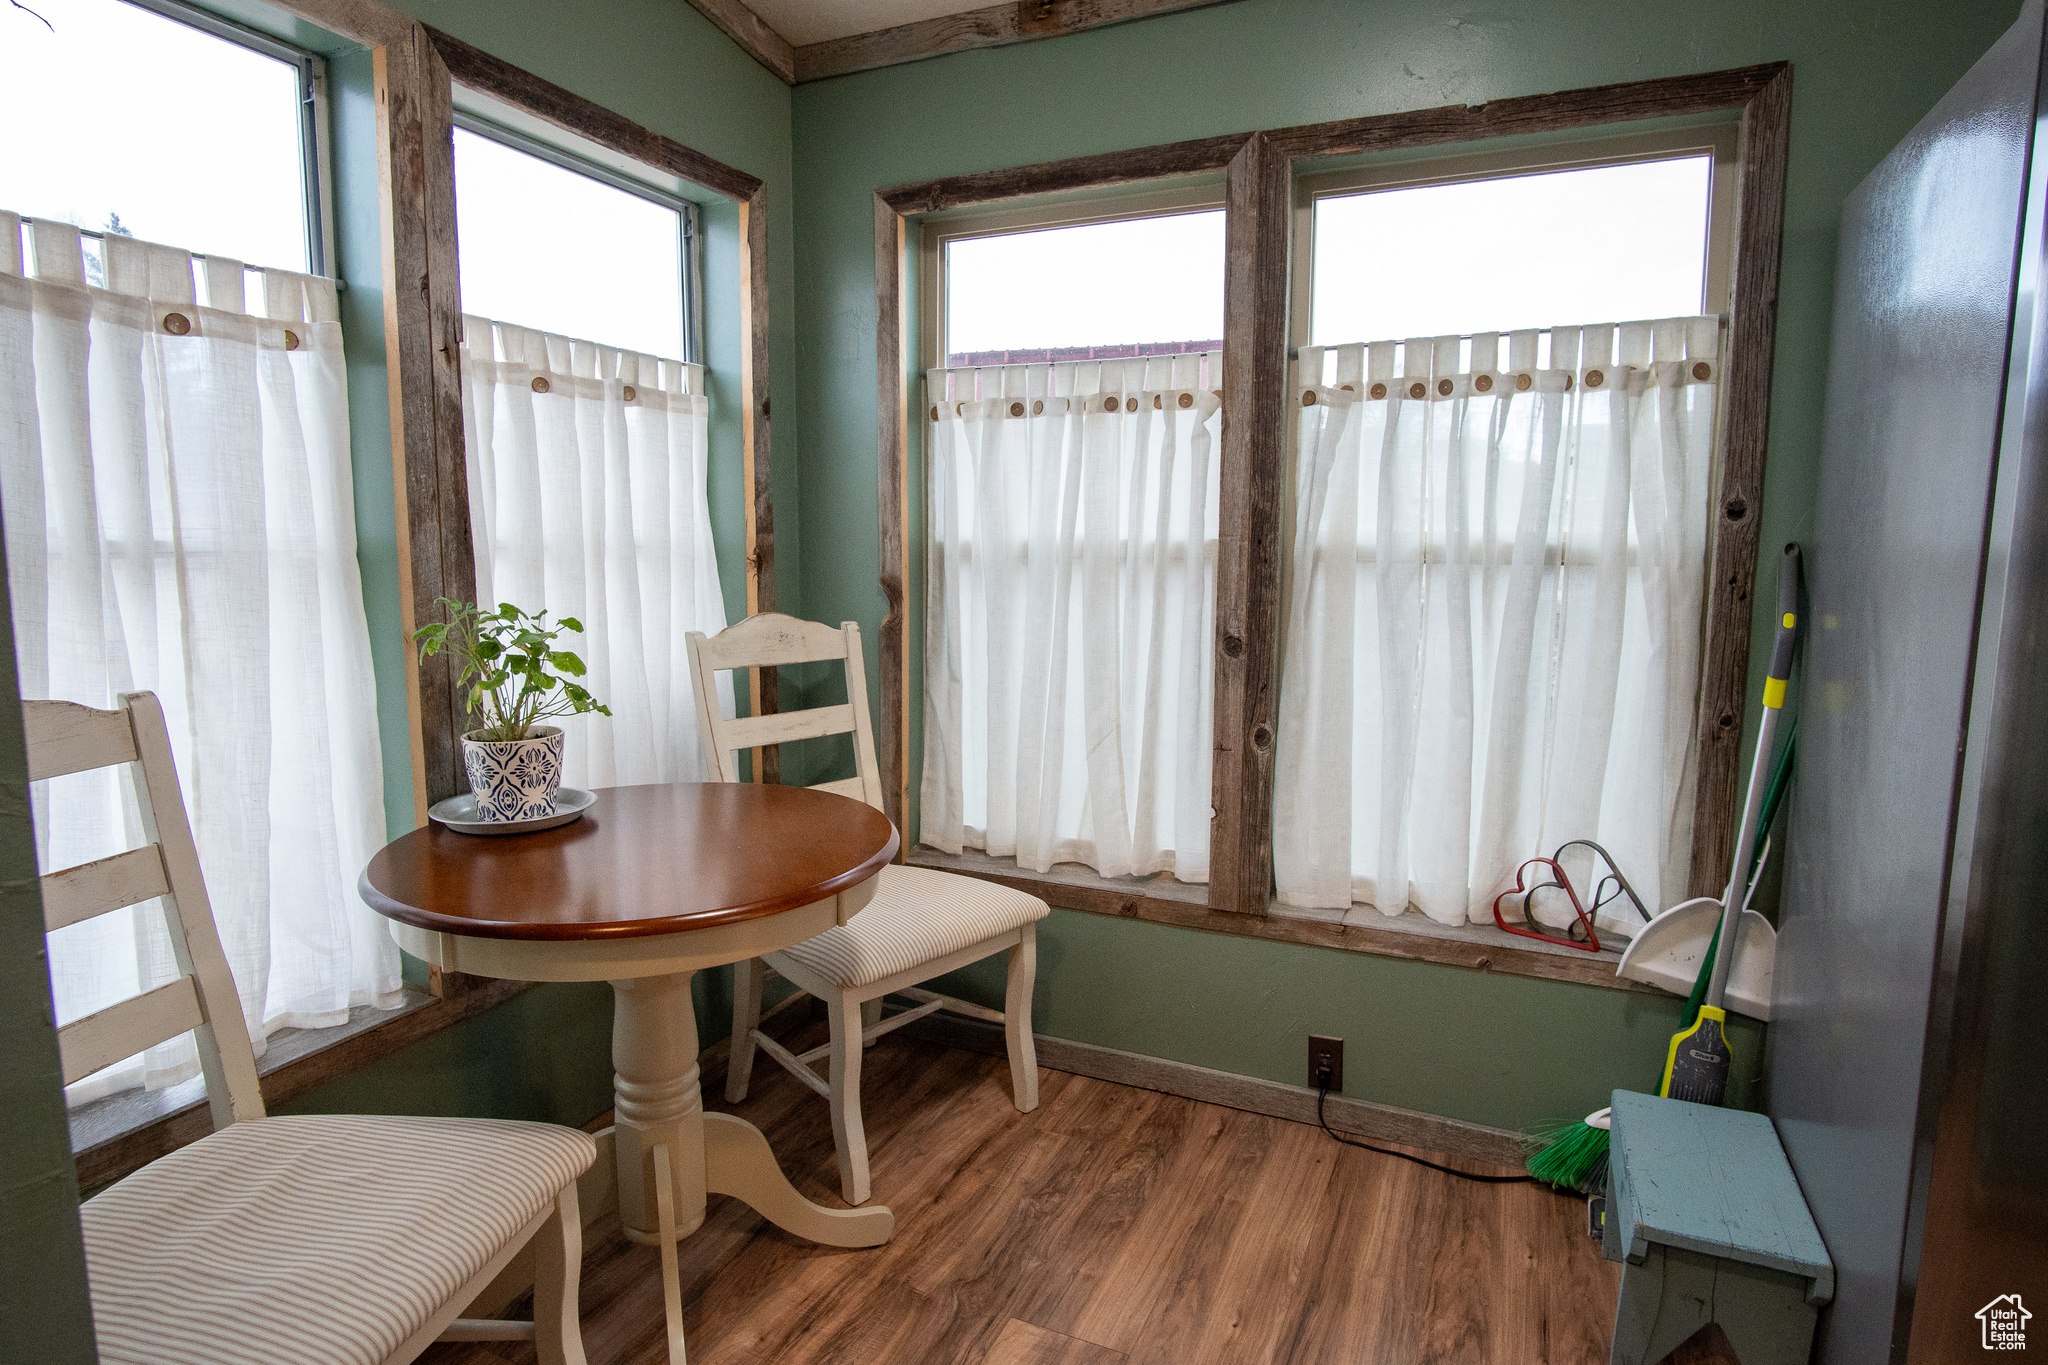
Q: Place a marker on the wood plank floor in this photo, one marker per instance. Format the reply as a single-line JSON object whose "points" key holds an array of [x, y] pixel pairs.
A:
{"points": [[1111, 1227]]}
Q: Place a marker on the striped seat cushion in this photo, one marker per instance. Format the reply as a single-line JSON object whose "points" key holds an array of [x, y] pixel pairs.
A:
{"points": [[918, 915], [318, 1240]]}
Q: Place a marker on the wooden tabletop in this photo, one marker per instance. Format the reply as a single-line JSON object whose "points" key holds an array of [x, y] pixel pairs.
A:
{"points": [[646, 860]]}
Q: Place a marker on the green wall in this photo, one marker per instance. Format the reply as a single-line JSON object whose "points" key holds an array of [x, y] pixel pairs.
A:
{"points": [[1509, 1052], [42, 1253]]}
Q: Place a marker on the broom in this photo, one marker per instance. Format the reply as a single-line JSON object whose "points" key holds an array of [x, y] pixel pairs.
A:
{"points": [[1574, 1155], [1696, 1066]]}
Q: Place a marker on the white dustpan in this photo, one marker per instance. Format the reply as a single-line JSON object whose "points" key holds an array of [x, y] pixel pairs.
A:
{"points": [[1669, 949]]}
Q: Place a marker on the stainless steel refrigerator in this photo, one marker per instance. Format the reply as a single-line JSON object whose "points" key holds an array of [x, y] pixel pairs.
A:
{"points": [[1908, 1060]]}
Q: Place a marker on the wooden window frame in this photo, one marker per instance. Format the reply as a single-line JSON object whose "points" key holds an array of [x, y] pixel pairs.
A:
{"points": [[415, 80], [1259, 173], [416, 69]]}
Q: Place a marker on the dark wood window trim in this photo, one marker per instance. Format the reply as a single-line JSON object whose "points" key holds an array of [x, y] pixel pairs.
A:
{"points": [[1160, 900], [1259, 170]]}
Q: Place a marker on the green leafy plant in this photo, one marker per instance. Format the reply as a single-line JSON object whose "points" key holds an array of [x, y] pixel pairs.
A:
{"points": [[513, 677]]}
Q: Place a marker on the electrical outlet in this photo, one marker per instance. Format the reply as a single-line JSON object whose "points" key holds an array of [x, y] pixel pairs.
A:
{"points": [[1325, 1053]]}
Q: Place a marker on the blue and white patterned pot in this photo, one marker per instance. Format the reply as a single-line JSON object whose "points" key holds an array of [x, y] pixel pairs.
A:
{"points": [[515, 779]]}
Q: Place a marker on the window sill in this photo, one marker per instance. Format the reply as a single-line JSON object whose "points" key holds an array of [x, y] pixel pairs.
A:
{"points": [[120, 1134], [1161, 900]]}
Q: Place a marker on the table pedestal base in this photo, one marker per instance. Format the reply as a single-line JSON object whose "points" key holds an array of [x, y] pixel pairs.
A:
{"points": [[670, 1154]]}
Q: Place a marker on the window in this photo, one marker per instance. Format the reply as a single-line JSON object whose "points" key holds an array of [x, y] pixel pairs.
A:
{"points": [[1598, 231], [587, 432], [1072, 449], [1499, 522], [563, 246], [166, 124], [1563, 268], [1114, 286], [1143, 282], [1304, 539], [183, 490]]}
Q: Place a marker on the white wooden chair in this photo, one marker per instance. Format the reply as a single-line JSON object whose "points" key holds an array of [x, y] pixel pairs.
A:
{"points": [[339, 1239], [920, 924]]}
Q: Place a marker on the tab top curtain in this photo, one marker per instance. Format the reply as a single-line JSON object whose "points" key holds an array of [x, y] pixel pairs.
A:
{"points": [[1070, 612], [587, 469], [1494, 618], [180, 518]]}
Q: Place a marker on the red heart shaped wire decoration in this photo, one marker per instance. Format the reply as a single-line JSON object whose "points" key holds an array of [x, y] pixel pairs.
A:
{"points": [[1528, 893]]}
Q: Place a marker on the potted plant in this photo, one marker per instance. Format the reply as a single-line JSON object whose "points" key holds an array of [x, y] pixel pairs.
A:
{"points": [[513, 679]]}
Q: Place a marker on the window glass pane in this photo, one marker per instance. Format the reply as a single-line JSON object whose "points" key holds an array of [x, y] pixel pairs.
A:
{"points": [[542, 246], [1603, 244], [1139, 286], [122, 120]]}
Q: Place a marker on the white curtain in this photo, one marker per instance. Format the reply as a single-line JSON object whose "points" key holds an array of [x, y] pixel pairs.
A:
{"points": [[180, 519], [1494, 615], [1070, 613], [587, 492]]}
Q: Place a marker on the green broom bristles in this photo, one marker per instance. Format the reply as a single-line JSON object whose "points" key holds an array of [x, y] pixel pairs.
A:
{"points": [[1574, 1157]]}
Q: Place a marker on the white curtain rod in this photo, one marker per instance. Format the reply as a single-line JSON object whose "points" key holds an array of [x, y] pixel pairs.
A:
{"points": [[340, 285], [1294, 352]]}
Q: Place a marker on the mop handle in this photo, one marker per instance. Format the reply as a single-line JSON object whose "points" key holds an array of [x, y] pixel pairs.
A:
{"points": [[1789, 573]]}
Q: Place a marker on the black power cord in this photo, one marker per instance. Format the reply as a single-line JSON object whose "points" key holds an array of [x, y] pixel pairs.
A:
{"points": [[1323, 1090]]}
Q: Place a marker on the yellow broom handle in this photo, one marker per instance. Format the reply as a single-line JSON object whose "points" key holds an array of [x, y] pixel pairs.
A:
{"points": [[1790, 571]]}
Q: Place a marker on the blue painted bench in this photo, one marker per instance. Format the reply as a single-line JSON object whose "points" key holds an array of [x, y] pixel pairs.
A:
{"points": [[1706, 1216]]}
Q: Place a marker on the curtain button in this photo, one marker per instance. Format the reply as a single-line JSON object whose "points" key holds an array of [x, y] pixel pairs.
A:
{"points": [[1130, 405], [291, 340], [1523, 383], [540, 383], [1016, 409], [1037, 406], [1377, 391], [177, 324], [629, 393], [1109, 405], [1444, 387], [1417, 389], [1157, 401], [1594, 379], [1186, 400], [935, 412], [1308, 398], [1483, 383], [1702, 370]]}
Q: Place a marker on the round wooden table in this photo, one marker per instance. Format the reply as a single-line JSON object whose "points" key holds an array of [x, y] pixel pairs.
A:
{"points": [[653, 884]]}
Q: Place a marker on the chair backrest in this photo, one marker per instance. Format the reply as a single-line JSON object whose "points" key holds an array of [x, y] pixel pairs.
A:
{"points": [[67, 738], [773, 639]]}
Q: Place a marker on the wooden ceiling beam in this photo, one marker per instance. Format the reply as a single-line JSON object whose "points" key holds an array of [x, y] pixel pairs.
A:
{"points": [[996, 26], [1021, 21]]}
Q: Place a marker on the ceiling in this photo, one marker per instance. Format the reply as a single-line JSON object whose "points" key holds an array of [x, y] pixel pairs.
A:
{"points": [[817, 21]]}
